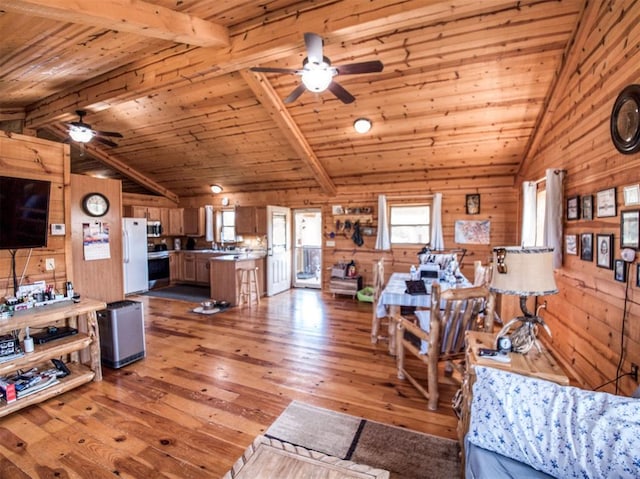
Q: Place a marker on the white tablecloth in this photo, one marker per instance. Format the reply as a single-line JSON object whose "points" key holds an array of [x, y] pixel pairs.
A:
{"points": [[394, 293]]}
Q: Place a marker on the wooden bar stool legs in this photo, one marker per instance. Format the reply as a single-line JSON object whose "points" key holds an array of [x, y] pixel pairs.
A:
{"points": [[248, 291]]}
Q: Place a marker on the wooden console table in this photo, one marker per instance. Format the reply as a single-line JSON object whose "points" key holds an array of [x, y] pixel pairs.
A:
{"points": [[534, 364], [83, 348]]}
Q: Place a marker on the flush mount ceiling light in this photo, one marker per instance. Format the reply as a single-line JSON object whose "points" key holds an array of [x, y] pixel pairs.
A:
{"points": [[362, 125], [216, 188], [80, 134]]}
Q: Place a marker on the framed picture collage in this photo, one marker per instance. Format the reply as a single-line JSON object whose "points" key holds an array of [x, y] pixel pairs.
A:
{"points": [[600, 247]]}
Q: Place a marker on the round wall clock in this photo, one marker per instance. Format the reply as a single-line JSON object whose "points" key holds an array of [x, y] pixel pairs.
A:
{"points": [[625, 120], [95, 204]]}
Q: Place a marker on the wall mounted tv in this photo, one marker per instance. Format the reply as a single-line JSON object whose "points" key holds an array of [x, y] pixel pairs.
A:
{"points": [[24, 212]]}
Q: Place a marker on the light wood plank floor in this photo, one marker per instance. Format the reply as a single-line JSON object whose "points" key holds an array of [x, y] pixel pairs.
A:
{"points": [[210, 384]]}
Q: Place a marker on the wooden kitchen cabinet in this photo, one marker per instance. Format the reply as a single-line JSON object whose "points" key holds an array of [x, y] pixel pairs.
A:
{"points": [[176, 222], [202, 268], [189, 267], [193, 221], [251, 220], [175, 267]]}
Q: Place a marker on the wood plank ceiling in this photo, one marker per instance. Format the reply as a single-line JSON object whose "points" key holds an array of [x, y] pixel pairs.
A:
{"points": [[463, 87]]}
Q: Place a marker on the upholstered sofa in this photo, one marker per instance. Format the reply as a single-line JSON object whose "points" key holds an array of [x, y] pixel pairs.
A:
{"points": [[530, 428]]}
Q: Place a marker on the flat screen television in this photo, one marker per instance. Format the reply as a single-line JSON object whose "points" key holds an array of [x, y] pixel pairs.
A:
{"points": [[24, 212]]}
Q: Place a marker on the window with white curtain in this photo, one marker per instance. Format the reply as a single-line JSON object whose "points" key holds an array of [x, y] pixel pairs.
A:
{"points": [[410, 224]]}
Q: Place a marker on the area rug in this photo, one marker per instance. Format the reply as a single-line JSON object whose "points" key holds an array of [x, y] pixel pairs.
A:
{"points": [[192, 293], [405, 454]]}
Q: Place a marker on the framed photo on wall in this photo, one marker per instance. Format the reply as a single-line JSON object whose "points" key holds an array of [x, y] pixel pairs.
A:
{"points": [[631, 195], [606, 203], [586, 244], [638, 275], [620, 271], [473, 204], [571, 244], [587, 207], [629, 229], [573, 208], [604, 251]]}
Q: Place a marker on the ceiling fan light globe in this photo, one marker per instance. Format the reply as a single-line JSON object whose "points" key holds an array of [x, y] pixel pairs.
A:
{"points": [[317, 80], [80, 134]]}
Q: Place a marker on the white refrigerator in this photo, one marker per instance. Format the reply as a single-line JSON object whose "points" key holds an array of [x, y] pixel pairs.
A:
{"points": [[134, 255]]}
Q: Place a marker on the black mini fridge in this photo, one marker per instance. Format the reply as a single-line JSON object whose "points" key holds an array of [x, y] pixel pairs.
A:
{"points": [[121, 328]]}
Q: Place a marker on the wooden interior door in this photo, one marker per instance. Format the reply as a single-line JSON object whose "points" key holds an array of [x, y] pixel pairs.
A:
{"points": [[278, 249]]}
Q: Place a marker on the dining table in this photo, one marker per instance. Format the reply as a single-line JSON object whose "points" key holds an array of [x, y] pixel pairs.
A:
{"points": [[394, 296]]}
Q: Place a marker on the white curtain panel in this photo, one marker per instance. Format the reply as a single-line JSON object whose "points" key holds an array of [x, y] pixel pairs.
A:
{"points": [[208, 223], [382, 240], [553, 214], [437, 240], [529, 213]]}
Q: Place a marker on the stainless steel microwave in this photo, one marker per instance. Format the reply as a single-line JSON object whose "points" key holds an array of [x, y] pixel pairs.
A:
{"points": [[154, 229]]}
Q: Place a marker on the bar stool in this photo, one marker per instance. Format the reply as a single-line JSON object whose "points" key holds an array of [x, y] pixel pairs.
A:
{"points": [[247, 286]]}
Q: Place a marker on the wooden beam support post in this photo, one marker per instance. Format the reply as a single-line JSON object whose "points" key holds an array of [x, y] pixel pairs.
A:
{"points": [[270, 100]]}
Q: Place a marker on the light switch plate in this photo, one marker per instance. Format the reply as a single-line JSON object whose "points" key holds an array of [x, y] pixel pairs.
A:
{"points": [[330, 243]]}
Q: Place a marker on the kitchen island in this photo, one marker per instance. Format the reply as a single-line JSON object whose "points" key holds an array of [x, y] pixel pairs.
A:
{"points": [[223, 279]]}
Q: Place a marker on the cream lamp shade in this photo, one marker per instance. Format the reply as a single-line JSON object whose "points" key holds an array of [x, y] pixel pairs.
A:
{"points": [[523, 271]]}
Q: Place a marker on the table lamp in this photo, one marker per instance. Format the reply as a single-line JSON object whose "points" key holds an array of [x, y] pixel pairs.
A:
{"points": [[523, 272]]}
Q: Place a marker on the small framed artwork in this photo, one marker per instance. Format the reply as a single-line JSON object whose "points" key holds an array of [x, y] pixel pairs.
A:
{"points": [[573, 208], [629, 229], [337, 210], [631, 195], [604, 255], [620, 271], [587, 207], [473, 204], [586, 246], [638, 276], [606, 203], [571, 244]]}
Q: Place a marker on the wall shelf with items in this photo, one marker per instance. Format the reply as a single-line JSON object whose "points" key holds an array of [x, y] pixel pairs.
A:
{"points": [[364, 219], [82, 348]]}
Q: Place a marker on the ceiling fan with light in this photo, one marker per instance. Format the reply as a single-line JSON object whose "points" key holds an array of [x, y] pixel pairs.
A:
{"points": [[317, 72], [82, 133]]}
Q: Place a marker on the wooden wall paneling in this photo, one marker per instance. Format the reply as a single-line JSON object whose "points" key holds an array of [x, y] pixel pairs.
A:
{"points": [[28, 157], [586, 316], [89, 275]]}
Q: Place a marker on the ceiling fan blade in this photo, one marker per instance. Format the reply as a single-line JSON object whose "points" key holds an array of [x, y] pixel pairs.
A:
{"points": [[313, 43], [341, 93], [295, 93], [104, 141], [108, 133], [272, 70], [364, 67]]}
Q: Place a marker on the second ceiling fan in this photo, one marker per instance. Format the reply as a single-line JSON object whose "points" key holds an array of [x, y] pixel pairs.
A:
{"points": [[317, 72]]}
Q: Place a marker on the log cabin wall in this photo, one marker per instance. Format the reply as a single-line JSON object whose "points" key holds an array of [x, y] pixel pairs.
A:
{"points": [[497, 205], [586, 317], [89, 278], [28, 157]]}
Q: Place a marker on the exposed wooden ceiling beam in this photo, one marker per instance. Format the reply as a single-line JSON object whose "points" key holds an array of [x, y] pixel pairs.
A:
{"points": [[250, 45], [276, 109], [118, 165], [132, 16]]}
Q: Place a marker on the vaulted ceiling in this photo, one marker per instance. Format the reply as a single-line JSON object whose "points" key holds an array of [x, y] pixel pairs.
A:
{"points": [[464, 87]]}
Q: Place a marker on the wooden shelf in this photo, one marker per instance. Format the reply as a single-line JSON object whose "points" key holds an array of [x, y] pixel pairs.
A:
{"points": [[42, 352], [80, 374], [83, 347], [362, 218]]}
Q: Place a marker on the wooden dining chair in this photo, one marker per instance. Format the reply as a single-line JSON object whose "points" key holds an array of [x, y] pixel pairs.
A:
{"points": [[378, 286], [439, 336]]}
